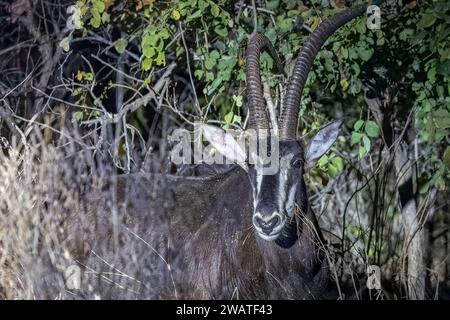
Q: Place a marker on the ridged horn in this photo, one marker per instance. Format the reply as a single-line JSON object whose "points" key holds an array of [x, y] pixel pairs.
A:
{"points": [[256, 103], [303, 64]]}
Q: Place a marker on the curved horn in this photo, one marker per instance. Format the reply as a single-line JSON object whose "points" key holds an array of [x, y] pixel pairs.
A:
{"points": [[303, 64], [255, 97]]}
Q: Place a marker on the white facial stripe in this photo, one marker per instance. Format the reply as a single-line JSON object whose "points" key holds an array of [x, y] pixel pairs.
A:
{"points": [[283, 178], [259, 177], [290, 201], [282, 187]]}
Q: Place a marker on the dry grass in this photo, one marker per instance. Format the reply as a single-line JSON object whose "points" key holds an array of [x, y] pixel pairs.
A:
{"points": [[46, 226], [44, 229]]}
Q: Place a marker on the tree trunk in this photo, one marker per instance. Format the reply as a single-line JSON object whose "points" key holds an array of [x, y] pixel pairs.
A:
{"points": [[414, 233], [381, 109]]}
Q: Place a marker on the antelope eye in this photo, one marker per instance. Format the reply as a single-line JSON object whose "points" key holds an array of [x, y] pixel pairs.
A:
{"points": [[296, 163]]}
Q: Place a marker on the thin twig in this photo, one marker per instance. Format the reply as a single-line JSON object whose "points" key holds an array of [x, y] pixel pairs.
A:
{"points": [[196, 103], [255, 18]]}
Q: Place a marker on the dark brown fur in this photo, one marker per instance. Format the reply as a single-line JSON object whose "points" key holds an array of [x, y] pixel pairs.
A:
{"points": [[208, 239]]}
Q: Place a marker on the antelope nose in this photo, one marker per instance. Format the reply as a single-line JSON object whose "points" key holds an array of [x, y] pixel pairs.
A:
{"points": [[267, 224]]}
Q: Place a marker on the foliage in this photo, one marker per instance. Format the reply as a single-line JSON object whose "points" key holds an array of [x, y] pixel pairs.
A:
{"points": [[404, 66], [210, 37]]}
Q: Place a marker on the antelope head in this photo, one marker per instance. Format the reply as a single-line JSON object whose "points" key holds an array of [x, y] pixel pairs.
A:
{"points": [[276, 193]]}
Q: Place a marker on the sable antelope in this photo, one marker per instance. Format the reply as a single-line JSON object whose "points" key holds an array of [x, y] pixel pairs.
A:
{"points": [[240, 233]]}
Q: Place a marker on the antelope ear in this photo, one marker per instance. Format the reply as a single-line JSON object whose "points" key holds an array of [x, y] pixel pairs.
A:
{"points": [[322, 142], [225, 143]]}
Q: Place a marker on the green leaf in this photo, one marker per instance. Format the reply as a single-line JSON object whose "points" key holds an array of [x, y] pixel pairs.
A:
{"points": [[150, 39], [164, 33], [98, 5], [361, 151], [366, 143], [272, 4], [148, 80], [147, 64], [416, 86], [446, 157], [221, 31], [195, 15], [344, 52], [266, 61], [77, 116], [406, 33], [209, 63], [148, 51], [229, 117], [96, 19], [431, 74], [440, 184], [215, 10], [332, 170], [358, 125], [422, 95], [323, 161], [214, 85], [198, 73], [426, 105], [356, 69], [106, 17], [214, 55], [338, 162], [424, 187], [427, 20], [120, 45], [286, 24], [175, 15], [444, 53], [442, 118], [356, 137], [225, 68], [440, 91], [88, 76], [365, 54], [65, 44], [352, 53], [75, 21], [238, 100], [159, 45], [344, 84], [380, 41], [361, 26], [161, 59], [202, 4], [371, 129], [209, 76]]}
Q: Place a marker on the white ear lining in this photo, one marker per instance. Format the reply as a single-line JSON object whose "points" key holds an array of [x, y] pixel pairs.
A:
{"points": [[322, 142], [225, 144]]}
